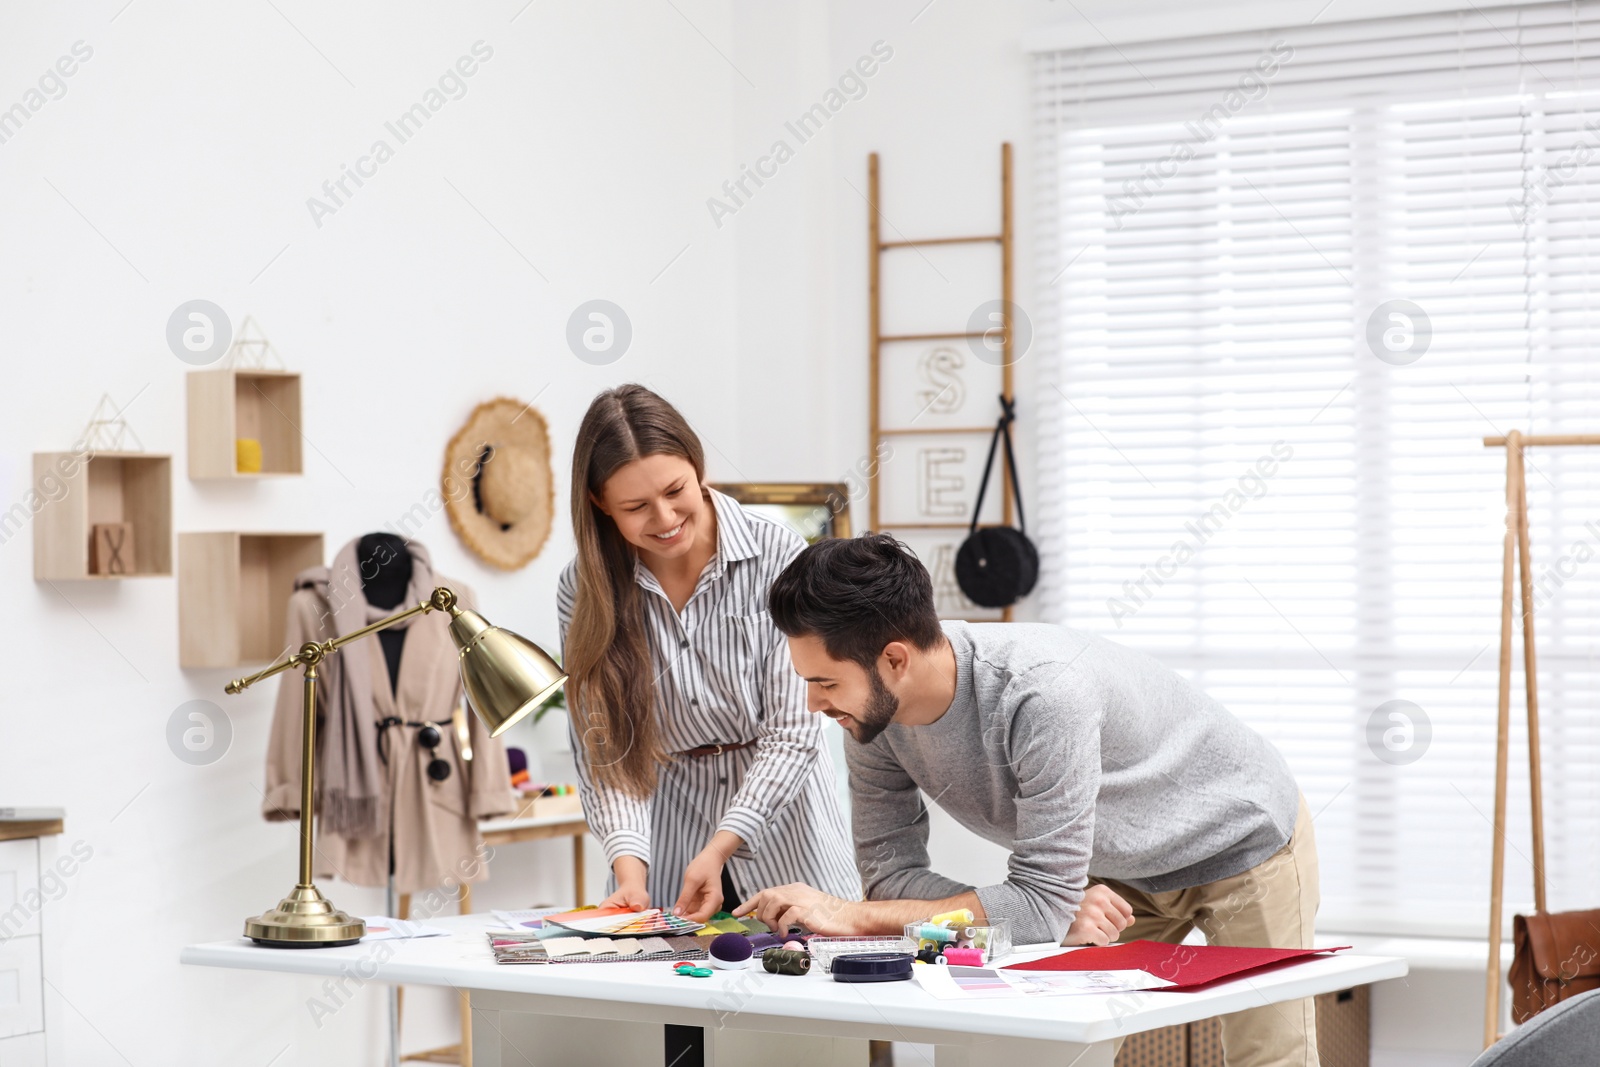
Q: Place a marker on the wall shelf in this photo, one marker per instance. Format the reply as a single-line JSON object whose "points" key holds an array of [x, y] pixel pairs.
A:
{"points": [[233, 594], [232, 403], [82, 489]]}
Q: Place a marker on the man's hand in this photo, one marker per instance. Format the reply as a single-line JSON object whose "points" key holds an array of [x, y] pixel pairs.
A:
{"points": [[1102, 916], [797, 904]]}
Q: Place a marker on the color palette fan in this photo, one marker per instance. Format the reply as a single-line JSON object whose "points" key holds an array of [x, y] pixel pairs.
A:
{"points": [[624, 922]]}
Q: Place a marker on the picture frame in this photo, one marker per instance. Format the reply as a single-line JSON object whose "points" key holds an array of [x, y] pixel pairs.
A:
{"points": [[814, 510]]}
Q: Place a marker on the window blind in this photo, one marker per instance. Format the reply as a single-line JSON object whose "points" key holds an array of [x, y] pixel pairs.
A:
{"points": [[1288, 281]]}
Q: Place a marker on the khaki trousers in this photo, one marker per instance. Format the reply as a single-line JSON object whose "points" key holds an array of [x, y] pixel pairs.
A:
{"points": [[1272, 905]]}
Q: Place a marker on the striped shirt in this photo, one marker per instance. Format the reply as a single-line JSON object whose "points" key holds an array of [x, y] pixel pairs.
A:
{"points": [[723, 675]]}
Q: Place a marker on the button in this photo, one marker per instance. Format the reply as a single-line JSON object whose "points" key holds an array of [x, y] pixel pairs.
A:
{"points": [[683, 645], [695, 701], [722, 781]]}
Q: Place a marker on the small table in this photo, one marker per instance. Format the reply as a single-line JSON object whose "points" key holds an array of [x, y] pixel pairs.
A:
{"points": [[520, 827], [18, 823], [610, 1013]]}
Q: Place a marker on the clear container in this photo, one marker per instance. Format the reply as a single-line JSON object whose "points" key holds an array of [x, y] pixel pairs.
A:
{"points": [[824, 950], [993, 938]]}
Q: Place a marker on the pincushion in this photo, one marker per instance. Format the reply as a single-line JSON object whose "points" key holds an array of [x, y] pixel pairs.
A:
{"points": [[730, 951]]}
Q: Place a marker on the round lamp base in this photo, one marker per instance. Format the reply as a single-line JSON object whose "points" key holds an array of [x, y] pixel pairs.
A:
{"points": [[304, 919]]}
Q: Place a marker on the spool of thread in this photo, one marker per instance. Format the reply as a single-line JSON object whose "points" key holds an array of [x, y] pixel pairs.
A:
{"points": [[794, 946], [928, 953], [963, 957], [785, 961], [953, 918], [730, 951], [941, 934]]}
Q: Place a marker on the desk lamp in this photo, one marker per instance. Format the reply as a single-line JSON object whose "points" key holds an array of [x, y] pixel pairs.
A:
{"points": [[504, 675]]}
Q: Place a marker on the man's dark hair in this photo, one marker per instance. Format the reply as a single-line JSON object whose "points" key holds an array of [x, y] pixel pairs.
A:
{"points": [[857, 594]]}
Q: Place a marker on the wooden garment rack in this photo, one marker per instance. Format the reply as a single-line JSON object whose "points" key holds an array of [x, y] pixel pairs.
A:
{"points": [[1516, 543], [878, 246]]}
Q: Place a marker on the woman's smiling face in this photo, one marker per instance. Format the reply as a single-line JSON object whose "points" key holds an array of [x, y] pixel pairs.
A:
{"points": [[657, 504]]}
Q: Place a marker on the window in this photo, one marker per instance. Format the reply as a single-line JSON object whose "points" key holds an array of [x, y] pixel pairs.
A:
{"points": [[1289, 281]]}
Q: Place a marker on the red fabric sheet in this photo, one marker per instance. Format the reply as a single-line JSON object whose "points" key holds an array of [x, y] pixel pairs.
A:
{"points": [[1186, 966]]}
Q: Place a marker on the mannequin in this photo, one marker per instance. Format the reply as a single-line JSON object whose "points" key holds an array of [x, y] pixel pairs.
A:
{"points": [[384, 563], [385, 572], [397, 797]]}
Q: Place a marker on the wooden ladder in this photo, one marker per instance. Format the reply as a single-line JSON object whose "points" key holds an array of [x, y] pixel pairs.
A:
{"points": [[876, 432]]}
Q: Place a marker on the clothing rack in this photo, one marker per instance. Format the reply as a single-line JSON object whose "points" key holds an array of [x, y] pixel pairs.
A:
{"points": [[1516, 543]]}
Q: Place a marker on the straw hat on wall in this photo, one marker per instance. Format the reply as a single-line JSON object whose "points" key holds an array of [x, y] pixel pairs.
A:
{"points": [[497, 482]]}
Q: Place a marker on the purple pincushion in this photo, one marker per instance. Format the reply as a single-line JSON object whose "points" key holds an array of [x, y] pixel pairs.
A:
{"points": [[730, 951]]}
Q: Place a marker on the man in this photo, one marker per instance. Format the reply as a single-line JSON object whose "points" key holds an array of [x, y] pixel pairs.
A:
{"points": [[1132, 803]]}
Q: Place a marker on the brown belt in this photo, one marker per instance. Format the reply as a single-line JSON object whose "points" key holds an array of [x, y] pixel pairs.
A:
{"points": [[714, 750]]}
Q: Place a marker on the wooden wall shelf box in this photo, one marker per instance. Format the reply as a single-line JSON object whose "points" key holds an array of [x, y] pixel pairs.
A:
{"points": [[233, 594], [104, 487], [228, 404]]}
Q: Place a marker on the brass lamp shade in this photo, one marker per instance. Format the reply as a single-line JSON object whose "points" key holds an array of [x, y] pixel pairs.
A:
{"points": [[505, 676]]}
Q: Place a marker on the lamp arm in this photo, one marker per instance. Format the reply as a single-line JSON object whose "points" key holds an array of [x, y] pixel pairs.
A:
{"points": [[240, 684], [443, 599]]}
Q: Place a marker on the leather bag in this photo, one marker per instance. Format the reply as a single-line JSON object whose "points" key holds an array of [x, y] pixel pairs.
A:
{"points": [[1556, 956], [997, 565]]}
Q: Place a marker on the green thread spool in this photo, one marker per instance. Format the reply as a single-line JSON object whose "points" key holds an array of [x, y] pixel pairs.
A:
{"points": [[786, 961]]}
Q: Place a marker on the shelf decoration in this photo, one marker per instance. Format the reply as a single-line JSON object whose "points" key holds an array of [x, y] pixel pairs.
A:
{"points": [[103, 509], [245, 416]]}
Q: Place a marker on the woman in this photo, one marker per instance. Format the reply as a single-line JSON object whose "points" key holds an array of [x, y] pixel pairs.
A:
{"points": [[701, 771]]}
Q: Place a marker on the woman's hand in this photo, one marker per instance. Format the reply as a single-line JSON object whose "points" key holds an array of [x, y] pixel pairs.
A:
{"points": [[701, 896], [631, 892], [1101, 918]]}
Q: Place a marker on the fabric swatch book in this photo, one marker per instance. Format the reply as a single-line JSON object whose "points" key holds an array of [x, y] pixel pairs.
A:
{"points": [[527, 947], [1185, 966], [623, 922]]}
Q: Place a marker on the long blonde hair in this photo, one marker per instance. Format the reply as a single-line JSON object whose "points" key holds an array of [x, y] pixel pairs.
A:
{"points": [[607, 657]]}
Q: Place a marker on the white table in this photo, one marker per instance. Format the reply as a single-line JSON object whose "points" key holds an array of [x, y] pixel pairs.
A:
{"points": [[526, 1015]]}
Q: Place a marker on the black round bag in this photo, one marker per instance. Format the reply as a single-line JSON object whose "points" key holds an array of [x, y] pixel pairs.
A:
{"points": [[997, 565]]}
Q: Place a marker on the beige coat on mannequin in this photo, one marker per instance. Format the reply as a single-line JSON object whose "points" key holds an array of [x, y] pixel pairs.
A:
{"points": [[436, 838]]}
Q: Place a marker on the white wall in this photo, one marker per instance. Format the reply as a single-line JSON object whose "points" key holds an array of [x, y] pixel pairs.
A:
{"points": [[177, 165], [578, 165]]}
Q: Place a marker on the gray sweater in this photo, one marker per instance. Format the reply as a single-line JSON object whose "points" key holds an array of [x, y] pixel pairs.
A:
{"points": [[1080, 756]]}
